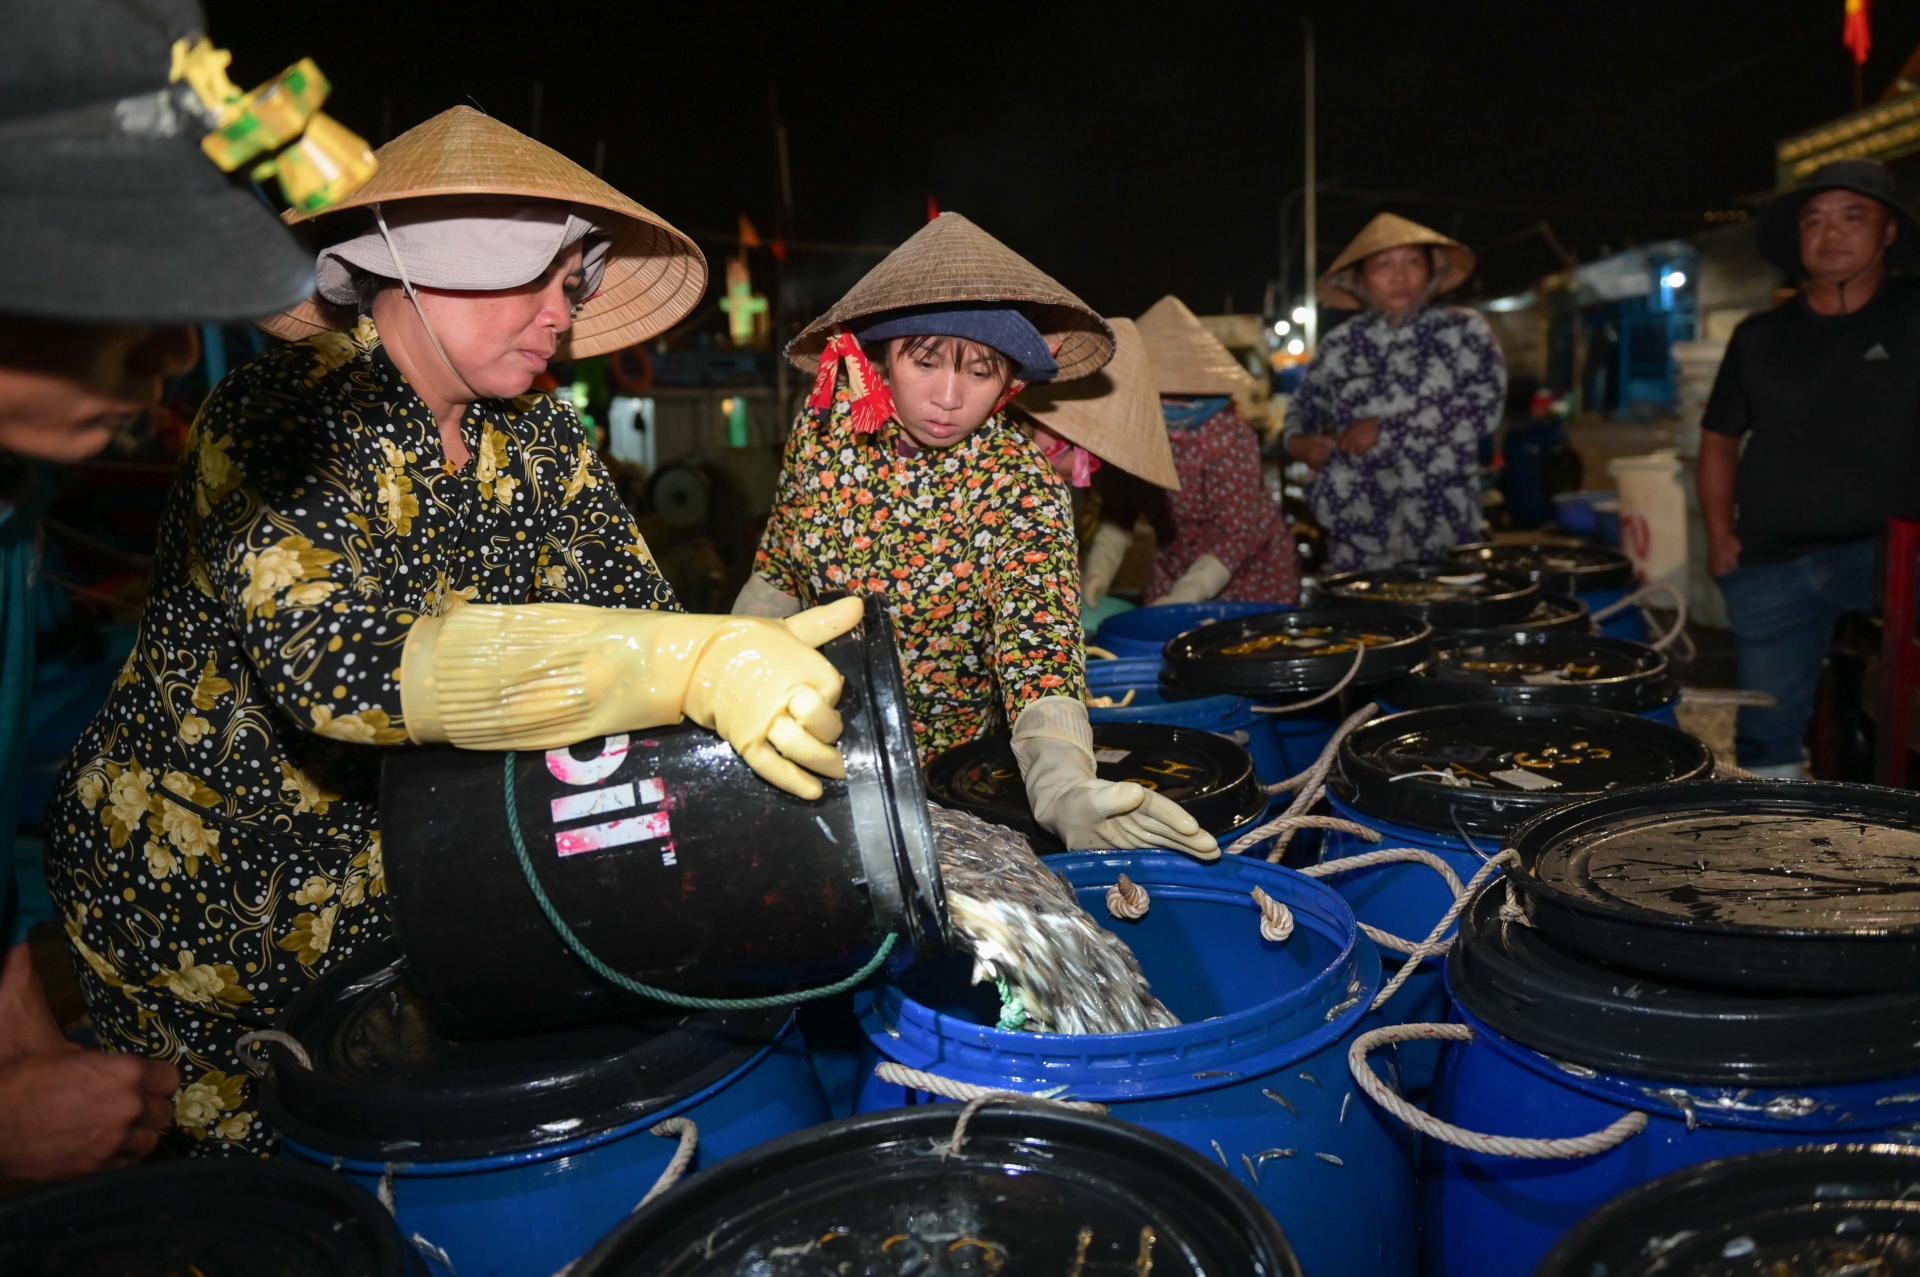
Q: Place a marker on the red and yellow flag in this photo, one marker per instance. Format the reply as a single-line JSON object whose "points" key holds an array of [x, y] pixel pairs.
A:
{"points": [[1855, 34]]}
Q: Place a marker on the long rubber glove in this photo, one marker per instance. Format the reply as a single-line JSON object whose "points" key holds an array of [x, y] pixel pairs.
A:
{"points": [[1206, 578], [1110, 546], [1053, 742], [544, 675], [761, 597]]}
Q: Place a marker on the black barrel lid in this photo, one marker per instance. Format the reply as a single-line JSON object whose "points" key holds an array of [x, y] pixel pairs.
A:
{"points": [[1208, 775], [1537, 667], [1792, 885], [1561, 569], [1287, 653], [215, 1217], [388, 1085], [1562, 612], [1559, 1002], [1032, 1191], [1444, 595], [1821, 1210], [1504, 763]]}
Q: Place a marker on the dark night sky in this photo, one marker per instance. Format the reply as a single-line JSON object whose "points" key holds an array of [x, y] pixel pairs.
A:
{"points": [[1127, 156]]}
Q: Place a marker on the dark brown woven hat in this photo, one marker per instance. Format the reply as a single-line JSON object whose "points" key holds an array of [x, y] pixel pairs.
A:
{"points": [[952, 260]]}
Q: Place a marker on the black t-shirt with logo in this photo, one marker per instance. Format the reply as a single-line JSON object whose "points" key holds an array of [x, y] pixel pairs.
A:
{"points": [[1832, 403]]}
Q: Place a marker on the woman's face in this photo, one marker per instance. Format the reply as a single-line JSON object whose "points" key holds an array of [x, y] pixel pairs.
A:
{"points": [[65, 389], [945, 389], [1396, 279], [501, 339]]}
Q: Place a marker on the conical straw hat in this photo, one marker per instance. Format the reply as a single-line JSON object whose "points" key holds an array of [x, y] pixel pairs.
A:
{"points": [[1187, 359], [952, 260], [1339, 285], [654, 274], [1114, 414]]}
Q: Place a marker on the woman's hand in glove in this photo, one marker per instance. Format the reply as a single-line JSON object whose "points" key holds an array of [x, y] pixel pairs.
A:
{"points": [[1053, 742], [544, 675]]}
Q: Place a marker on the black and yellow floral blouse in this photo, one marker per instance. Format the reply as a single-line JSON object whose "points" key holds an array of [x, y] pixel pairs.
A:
{"points": [[972, 546], [312, 520]]}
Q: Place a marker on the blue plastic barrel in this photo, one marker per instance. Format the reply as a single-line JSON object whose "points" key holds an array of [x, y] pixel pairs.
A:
{"points": [[513, 1156], [1144, 631], [1255, 1076], [1229, 716], [1715, 1074], [1628, 623]]}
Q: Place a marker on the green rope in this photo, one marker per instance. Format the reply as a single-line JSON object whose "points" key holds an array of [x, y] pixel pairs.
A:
{"points": [[632, 985]]}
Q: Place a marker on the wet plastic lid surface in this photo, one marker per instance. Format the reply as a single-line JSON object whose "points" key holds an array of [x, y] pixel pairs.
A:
{"points": [[1490, 767], [1562, 569], [1208, 775], [214, 1217], [1769, 884], [1564, 612], [1561, 1003], [1032, 1191], [1296, 652], [1818, 1211], [1541, 667], [1446, 595], [387, 1084]]}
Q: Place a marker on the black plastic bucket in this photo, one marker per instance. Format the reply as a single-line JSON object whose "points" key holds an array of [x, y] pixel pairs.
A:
{"points": [[1210, 776], [668, 858], [1831, 1208], [1560, 569], [1283, 654], [227, 1217], [1790, 886], [1443, 595], [1032, 1190], [515, 1154], [1560, 613], [1538, 668]]}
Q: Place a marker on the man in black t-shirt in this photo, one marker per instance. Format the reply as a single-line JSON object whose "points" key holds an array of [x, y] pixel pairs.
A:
{"points": [[1811, 442]]}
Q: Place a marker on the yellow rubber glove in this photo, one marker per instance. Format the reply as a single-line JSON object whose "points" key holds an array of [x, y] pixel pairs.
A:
{"points": [[544, 675]]}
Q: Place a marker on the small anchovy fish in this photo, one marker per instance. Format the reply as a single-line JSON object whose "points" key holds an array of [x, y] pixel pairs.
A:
{"points": [[1272, 1153], [1025, 926], [1251, 1169], [1216, 1073], [1330, 1159], [1340, 1008], [1344, 1101], [1281, 1100], [1308, 1077], [1222, 1153]]}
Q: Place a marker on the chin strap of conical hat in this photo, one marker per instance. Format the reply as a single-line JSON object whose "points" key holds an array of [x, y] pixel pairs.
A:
{"points": [[400, 267]]}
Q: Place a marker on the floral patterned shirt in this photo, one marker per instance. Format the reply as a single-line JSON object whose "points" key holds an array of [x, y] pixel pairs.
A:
{"points": [[972, 546], [1222, 508], [312, 520], [1436, 383]]}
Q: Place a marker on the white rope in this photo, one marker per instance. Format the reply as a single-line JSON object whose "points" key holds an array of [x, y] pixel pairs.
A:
{"points": [[257, 1066], [689, 1134], [1731, 771], [1727, 696], [1307, 788], [1388, 855], [1643, 594], [1359, 656], [1128, 900], [974, 1097], [1433, 944], [1276, 920], [1619, 1132], [1100, 653]]}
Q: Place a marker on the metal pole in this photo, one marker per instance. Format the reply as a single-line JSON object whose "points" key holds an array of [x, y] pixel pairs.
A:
{"points": [[1312, 203], [783, 227]]}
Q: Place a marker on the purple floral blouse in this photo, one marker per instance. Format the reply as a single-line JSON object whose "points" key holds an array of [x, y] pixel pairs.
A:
{"points": [[1436, 383]]}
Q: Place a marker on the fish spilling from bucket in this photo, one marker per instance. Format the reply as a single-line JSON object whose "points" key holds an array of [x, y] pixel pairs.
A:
{"points": [[1056, 966]]}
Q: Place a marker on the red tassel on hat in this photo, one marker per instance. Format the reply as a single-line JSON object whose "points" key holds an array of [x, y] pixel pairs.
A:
{"points": [[869, 402]]}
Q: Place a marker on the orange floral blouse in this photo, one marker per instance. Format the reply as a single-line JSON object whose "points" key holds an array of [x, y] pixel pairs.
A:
{"points": [[972, 546]]}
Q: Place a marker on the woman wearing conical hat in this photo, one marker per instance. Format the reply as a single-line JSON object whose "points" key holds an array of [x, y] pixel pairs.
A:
{"points": [[905, 478], [1392, 409], [378, 536], [1230, 541], [1107, 438]]}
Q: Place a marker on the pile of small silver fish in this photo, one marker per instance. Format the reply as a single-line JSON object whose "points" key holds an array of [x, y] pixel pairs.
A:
{"points": [[1024, 927]]}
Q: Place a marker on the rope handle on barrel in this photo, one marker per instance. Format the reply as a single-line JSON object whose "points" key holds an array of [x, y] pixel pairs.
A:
{"points": [[973, 1097], [1306, 789], [1617, 1133], [1641, 595], [689, 1134], [257, 1066], [621, 980], [1353, 671]]}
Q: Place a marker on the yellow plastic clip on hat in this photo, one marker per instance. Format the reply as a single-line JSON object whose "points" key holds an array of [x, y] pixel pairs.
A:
{"points": [[319, 162]]}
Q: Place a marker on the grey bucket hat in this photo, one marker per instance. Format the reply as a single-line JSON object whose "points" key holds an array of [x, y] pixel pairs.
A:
{"points": [[1780, 223]]}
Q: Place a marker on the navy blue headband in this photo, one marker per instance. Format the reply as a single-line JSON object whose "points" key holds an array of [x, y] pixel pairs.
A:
{"points": [[989, 323]]}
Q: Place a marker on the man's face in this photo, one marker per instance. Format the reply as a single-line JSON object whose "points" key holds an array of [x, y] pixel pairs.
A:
{"points": [[1840, 234], [65, 389]]}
